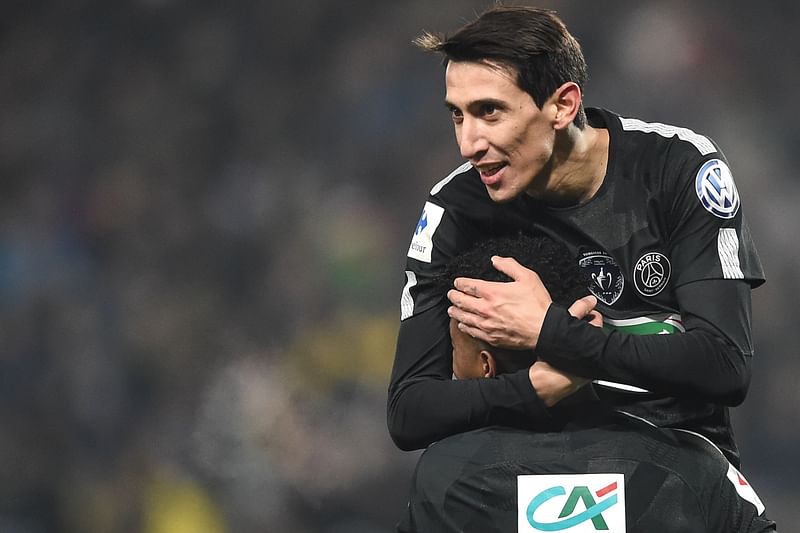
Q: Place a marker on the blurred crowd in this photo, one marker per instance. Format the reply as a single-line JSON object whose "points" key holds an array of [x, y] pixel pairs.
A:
{"points": [[204, 212]]}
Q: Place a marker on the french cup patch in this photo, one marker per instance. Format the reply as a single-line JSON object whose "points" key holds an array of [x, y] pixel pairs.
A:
{"points": [[606, 279]]}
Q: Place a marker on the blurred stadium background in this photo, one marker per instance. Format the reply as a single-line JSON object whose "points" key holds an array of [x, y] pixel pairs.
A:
{"points": [[204, 210]]}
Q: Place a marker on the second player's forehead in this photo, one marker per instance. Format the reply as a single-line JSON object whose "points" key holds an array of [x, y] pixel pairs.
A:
{"points": [[467, 82]]}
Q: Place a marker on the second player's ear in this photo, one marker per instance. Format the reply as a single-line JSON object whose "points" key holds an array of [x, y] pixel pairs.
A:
{"points": [[567, 101], [488, 364]]}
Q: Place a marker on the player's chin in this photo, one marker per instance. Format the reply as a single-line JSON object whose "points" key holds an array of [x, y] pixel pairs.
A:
{"points": [[501, 195]]}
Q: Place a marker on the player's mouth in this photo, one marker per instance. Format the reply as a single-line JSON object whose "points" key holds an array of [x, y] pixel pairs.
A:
{"points": [[490, 174]]}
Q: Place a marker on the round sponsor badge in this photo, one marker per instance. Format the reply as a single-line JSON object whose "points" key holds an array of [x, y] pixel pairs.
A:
{"points": [[716, 190]]}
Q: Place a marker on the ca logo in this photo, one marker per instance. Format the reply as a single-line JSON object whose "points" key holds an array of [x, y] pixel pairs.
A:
{"points": [[589, 505]]}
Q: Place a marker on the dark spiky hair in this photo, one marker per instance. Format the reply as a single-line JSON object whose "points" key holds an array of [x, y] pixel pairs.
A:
{"points": [[532, 41], [550, 259]]}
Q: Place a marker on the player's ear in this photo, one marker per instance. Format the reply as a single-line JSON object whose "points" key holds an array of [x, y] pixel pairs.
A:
{"points": [[488, 364], [567, 102]]}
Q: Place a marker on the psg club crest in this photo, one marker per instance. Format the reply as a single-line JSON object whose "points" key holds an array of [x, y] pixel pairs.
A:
{"points": [[651, 273], [716, 190], [606, 281]]}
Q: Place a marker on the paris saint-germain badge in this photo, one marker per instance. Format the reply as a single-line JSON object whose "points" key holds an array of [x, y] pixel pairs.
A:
{"points": [[651, 273], [605, 279]]}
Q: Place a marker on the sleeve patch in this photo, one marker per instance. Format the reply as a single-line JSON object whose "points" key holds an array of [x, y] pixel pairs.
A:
{"points": [[406, 300], [744, 489], [716, 190], [422, 242], [728, 249]]}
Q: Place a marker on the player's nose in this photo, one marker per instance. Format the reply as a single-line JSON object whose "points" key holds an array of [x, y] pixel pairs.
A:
{"points": [[472, 141]]}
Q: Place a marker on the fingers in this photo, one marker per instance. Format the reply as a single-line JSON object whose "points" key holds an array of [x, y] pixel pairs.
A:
{"points": [[468, 286], [510, 267], [468, 309], [459, 314], [594, 318], [507, 265], [469, 292], [583, 307], [464, 301], [475, 332]]}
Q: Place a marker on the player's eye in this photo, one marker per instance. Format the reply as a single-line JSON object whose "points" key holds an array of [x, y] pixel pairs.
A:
{"points": [[487, 110], [456, 115]]}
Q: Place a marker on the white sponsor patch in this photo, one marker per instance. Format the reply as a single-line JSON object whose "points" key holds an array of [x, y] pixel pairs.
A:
{"points": [[716, 190], [422, 242], [577, 503], [744, 489]]}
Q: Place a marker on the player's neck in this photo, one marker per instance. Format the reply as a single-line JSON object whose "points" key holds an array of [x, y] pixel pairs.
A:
{"points": [[577, 167]]}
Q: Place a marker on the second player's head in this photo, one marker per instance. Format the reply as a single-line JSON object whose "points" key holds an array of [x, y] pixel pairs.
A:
{"points": [[556, 267]]}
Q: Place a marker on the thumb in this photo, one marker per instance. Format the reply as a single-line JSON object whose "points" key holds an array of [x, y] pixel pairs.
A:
{"points": [[583, 307], [510, 267]]}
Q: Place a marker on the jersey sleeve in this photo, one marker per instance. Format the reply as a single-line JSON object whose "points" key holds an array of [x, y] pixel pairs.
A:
{"points": [[424, 403], [709, 237], [696, 364]]}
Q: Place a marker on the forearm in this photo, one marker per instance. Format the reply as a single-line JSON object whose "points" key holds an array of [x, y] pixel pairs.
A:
{"points": [[426, 410], [695, 364], [425, 404]]}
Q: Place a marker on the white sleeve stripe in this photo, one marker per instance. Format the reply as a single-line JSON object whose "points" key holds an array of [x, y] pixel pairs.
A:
{"points": [[728, 248], [460, 170], [619, 386], [702, 143], [407, 301]]}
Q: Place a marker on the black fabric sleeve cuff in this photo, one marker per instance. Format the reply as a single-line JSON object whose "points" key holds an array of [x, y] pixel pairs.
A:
{"points": [[695, 363], [536, 413], [571, 344]]}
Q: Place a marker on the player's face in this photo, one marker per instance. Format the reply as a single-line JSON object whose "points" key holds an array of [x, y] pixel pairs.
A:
{"points": [[499, 128], [468, 358]]}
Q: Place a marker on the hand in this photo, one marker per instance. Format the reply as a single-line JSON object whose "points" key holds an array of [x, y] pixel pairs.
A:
{"points": [[503, 314], [584, 309], [553, 385]]}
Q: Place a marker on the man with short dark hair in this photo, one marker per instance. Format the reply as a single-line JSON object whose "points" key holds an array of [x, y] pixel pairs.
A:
{"points": [[649, 211]]}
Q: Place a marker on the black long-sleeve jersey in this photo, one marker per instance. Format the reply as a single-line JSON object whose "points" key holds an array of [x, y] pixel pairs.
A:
{"points": [[605, 473], [668, 250]]}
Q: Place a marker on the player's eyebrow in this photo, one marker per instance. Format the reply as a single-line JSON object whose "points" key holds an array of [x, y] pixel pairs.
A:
{"points": [[499, 104]]}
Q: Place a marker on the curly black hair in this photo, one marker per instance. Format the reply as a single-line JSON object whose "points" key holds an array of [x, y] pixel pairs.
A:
{"points": [[550, 259]]}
